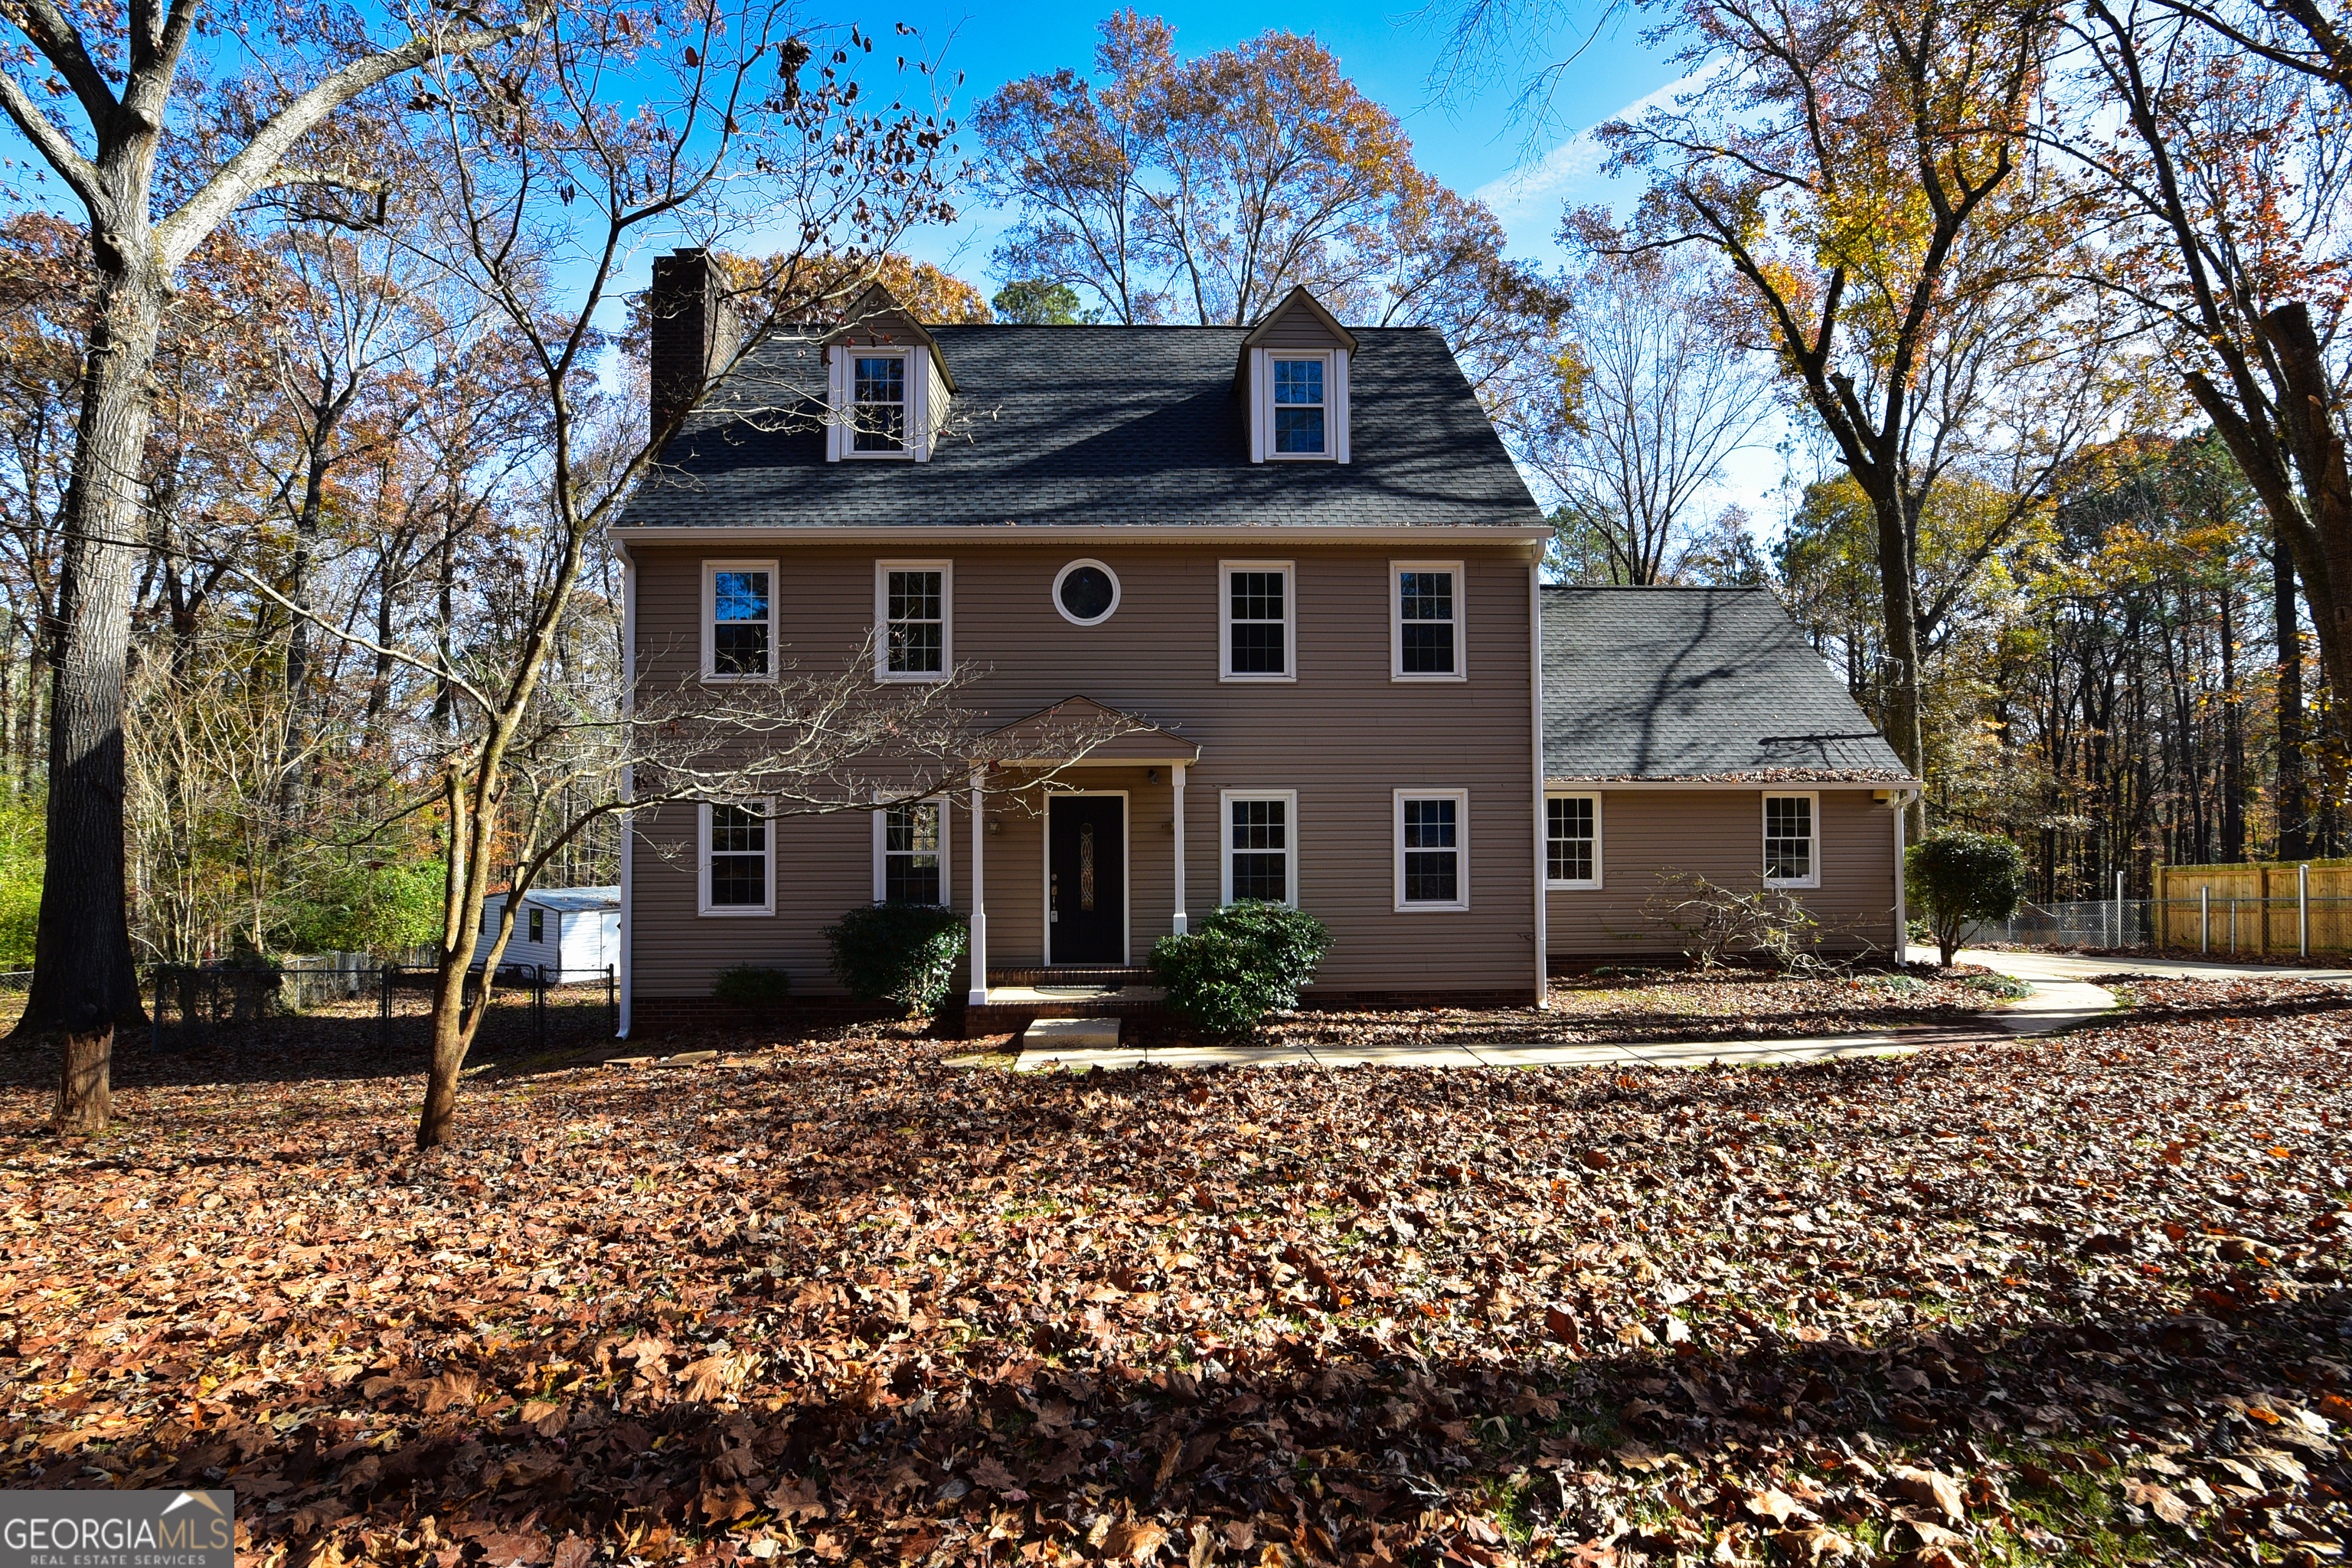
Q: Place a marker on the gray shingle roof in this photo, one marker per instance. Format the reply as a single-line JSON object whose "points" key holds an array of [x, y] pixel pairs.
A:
{"points": [[1696, 683], [1100, 426]]}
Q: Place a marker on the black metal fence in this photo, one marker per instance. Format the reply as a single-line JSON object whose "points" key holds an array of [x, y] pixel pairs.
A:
{"points": [[530, 981], [199, 1006]]}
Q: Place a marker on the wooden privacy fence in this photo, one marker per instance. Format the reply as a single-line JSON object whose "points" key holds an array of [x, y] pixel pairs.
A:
{"points": [[2260, 908]]}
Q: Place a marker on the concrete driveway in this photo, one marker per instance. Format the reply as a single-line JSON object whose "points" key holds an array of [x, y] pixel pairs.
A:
{"points": [[2062, 966]]}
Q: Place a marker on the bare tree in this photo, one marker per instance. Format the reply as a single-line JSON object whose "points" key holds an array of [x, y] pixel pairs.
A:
{"points": [[532, 176], [1648, 396]]}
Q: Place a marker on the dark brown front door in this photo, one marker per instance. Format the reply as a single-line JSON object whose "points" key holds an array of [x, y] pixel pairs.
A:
{"points": [[1086, 865]]}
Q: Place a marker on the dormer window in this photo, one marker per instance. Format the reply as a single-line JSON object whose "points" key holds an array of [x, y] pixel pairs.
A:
{"points": [[1299, 406], [886, 388], [878, 403], [1294, 370]]}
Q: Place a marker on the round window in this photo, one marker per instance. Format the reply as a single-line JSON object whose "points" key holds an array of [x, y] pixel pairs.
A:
{"points": [[1086, 592]]}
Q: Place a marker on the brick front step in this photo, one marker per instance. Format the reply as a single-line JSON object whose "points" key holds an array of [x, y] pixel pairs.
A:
{"points": [[1108, 978]]}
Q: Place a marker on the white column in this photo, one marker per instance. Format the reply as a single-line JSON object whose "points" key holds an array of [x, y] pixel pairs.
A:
{"points": [[1184, 922], [978, 997], [2303, 908]]}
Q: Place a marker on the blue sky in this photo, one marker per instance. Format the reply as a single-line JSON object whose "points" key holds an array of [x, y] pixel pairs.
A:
{"points": [[1474, 144], [1479, 143]]}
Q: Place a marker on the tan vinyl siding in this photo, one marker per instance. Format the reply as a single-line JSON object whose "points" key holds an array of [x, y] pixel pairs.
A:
{"points": [[1719, 833], [1342, 735], [1297, 328]]}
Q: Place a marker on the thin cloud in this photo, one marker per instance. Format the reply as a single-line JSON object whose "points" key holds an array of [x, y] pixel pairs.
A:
{"points": [[1530, 199]]}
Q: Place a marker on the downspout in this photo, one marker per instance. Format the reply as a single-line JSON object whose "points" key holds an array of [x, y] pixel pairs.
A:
{"points": [[1900, 801], [1535, 688], [628, 778]]}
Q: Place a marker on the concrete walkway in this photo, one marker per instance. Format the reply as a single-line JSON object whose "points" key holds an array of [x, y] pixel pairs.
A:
{"points": [[2060, 1001]]}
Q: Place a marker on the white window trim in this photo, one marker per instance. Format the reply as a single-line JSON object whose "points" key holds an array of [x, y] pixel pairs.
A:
{"points": [[1460, 798], [1116, 590], [1225, 569], [1225, 850], [840, 444], [702, 861], [1334, 406], [1572, 884], [711, 570], [1814, 859], [1461, 671], [883, 673], [881, 852]]}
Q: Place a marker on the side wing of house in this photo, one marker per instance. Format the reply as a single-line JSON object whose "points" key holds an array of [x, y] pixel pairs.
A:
{"points": [[1692, 734]]}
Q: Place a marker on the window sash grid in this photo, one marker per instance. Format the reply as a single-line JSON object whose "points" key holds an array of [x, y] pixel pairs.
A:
{"points": [[1259, 848]]}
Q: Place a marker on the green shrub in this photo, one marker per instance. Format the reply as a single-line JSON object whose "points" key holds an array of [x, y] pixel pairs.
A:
{"points": [[366, 908], [905, 953], [1238, 964], [1959, 879], [751, 986], [23, 832]]}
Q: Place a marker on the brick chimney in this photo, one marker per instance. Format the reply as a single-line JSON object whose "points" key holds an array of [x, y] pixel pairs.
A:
{"points": [[694, 329]]}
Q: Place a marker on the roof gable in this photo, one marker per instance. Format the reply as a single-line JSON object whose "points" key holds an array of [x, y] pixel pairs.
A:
{"points": [[1081, 729], [878, 320]]}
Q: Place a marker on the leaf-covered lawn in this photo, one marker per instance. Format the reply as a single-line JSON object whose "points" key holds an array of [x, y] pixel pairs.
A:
{"points": [[1985, 1304], [1657, 1005]]}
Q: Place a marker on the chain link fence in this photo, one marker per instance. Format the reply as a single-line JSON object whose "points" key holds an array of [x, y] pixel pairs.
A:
{"points": [[2086, 923], [2273, 927]]}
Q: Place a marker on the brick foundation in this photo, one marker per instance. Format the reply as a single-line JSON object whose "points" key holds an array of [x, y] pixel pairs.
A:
{"points": [[660, 1017]]}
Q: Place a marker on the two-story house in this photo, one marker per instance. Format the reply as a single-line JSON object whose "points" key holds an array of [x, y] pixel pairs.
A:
{"points": [[1301, 557]]}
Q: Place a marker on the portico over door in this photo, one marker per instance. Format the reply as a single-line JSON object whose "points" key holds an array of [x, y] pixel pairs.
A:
{"points": [[1086, 879]]}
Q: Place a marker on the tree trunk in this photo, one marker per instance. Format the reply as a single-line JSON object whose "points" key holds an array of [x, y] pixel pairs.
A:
{"points": [[82, 945], [84, 1094], [451, 1038], [2233, 738], [2293, 803], [1898, 602]]}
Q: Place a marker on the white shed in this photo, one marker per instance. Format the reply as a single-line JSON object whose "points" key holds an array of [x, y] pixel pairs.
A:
{"points": [[574, 929]]}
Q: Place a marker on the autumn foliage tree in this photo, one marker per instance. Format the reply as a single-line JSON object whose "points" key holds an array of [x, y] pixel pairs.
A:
{"points": [[99, 94], [1865, 173], [1203, 190]]}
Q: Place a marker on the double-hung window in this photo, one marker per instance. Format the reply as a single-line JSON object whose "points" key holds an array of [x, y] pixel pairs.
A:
{"points": [[538, 925], [1425, 620], [1299, 407], [1792, 841], [738, 620], [1256, 636], [913, 607], [1432, 850], [1261, 846], [738, 860], [910, 849], [877, 404], [1572, 841]]}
